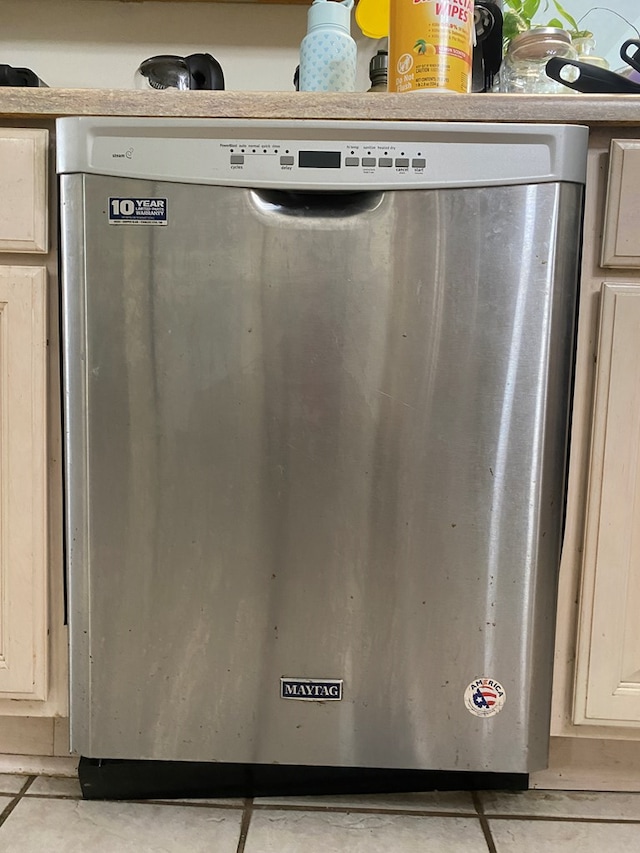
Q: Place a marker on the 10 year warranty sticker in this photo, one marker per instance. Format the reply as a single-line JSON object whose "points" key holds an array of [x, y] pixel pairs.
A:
{"points": [[484, 697], [137, 211]]}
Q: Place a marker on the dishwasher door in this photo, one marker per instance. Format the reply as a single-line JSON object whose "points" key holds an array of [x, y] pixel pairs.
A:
{"points": [[316, 451]]}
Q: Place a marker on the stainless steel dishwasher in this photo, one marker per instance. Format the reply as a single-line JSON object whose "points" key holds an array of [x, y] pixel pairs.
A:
{"points": [[316, 390]]}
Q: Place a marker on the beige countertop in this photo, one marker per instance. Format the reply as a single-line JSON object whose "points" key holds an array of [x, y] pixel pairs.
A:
{"points": [[16, 103]]}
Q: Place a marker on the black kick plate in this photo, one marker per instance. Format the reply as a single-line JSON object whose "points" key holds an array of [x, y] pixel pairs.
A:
{"points": [[120, 779]]}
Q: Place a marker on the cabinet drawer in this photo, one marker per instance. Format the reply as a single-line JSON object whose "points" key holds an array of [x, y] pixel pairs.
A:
{"points": [[621, 239], [23, 190]]}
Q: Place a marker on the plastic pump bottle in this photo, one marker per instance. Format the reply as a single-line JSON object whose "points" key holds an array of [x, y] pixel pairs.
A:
{"points": [[328, 53]]}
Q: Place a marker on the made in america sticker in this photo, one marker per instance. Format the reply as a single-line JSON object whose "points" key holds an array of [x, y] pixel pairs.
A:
{"points": [[484, 697], [137, 211]]}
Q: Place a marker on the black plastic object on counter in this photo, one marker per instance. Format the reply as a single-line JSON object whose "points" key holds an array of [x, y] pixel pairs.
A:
{"points": [[196, 72], [10, 76], [487, 54], [632, 59], [590, 79]]}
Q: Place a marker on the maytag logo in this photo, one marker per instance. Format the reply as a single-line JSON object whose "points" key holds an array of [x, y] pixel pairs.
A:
{"points": [[311, 689]]}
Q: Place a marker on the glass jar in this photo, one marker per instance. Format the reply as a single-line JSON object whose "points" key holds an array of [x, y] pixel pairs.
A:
{"points": [[523, 68], [586, 49]]}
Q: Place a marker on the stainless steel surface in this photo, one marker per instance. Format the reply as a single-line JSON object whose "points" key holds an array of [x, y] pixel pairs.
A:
{"points": [[316, 440]]}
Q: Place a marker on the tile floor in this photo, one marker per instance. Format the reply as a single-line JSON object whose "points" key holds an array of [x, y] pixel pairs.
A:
{"points": [[40, 814]]}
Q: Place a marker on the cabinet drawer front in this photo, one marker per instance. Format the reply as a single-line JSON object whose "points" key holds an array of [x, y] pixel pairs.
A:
{"points": [[23, 190], [621, 239]]}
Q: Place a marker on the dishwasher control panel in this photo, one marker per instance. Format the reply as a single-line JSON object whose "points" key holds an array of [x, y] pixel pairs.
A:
{"points": [[348, 159], [309, 155], [267, 162]]}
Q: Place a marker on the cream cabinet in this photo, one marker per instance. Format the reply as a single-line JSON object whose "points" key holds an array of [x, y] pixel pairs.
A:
{"points": [[607, 683], [621, 238], [23, 195], [23, 546], [32, 666], [597, 679]]}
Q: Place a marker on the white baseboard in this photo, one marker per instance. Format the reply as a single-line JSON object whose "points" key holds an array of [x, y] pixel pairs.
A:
{"points": [[45, 765], [585, 764]]}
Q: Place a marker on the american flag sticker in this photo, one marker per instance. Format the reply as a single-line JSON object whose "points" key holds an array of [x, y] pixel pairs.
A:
{"points": [[484, 697]]}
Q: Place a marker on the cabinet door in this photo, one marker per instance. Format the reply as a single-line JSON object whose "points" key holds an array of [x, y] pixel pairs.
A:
{"points": [[607, 689], [23, 201], [621, 239], [23, 551]]}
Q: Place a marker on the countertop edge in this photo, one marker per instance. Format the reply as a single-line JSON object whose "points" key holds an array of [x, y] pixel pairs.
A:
{"points": [[592, 110]]}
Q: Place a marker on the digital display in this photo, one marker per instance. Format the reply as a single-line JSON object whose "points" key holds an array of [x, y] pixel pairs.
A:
{"points": [[319, 159]]}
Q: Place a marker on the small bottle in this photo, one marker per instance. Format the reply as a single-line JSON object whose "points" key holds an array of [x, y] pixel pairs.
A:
{"points": [[378, 71], [328, 53]]}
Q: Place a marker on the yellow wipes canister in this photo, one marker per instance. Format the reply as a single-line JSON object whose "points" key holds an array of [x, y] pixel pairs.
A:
{"points": [[430, 45]]}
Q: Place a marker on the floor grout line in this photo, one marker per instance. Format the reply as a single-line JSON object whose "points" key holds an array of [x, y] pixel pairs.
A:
{"points": [[16, 799], [306, 807], [484, 823], [244, 826], [563, 819], [249, 805], [231, 806], [309, 807]]}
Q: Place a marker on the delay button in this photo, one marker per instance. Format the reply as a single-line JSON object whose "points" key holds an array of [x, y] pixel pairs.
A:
{"points": [[286, 161]]}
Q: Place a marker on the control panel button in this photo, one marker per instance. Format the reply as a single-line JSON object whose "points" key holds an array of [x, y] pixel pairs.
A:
{"points": [[402, 162], [368, 161], [351, 161], [385, 161], [286, 161], [237, 159], [418, 163]]}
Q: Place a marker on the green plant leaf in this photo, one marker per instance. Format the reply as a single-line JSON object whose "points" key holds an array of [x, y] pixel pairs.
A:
{"points": [[556, 22], [572, 21], [514, 4], [513, 25], [529, 8]]}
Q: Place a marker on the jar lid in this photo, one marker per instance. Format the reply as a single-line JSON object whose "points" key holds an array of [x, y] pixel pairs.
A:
{"points": [[528, 43]]}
